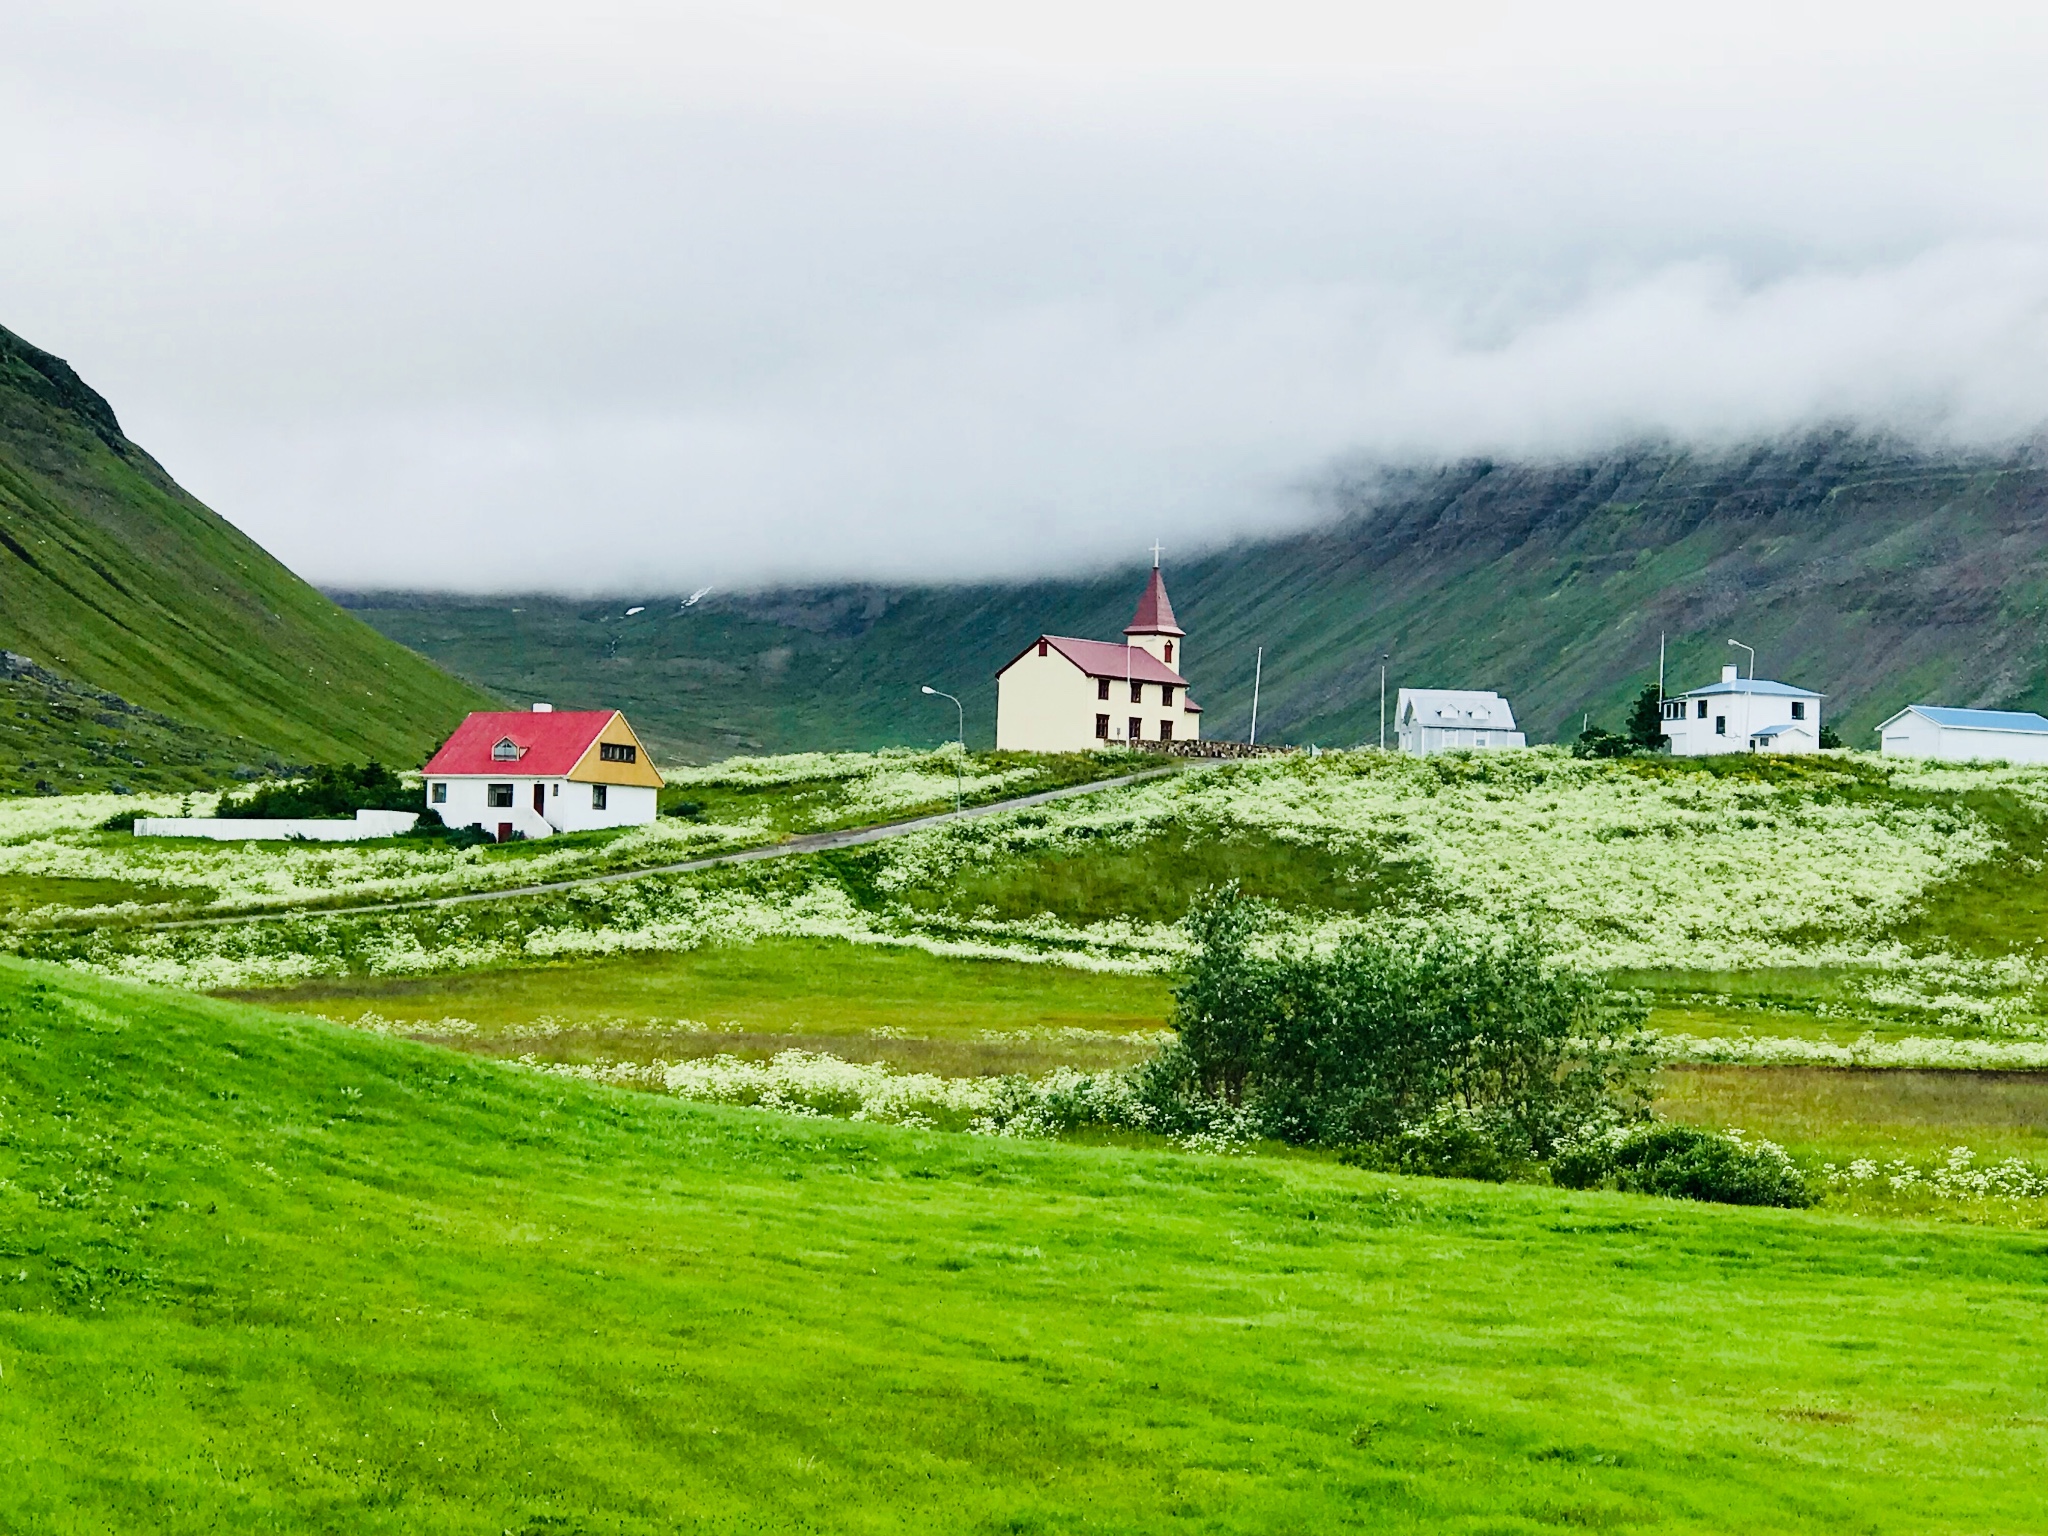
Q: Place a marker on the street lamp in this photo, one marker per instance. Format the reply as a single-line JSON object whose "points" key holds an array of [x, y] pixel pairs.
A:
{"points": [[1747, 701], [962, 711]]}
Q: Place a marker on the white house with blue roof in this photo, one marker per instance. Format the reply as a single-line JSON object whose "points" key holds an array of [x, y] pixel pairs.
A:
{"points": [[1965, 735], [1742, 714]]}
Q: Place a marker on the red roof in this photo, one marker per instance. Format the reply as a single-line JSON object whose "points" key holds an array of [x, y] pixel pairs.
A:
{"points": [[1155, 613], [1106, 658], [549, 744]]}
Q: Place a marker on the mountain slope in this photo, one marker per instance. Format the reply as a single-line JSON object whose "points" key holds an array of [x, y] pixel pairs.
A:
{"points": [[1880, 575], [113, 577]]}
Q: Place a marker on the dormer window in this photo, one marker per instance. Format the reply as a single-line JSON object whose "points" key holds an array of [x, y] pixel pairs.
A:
{"points": [[506, 751]]}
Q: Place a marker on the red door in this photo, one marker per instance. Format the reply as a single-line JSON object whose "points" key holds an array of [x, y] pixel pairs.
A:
{"points": [[504, 831]]}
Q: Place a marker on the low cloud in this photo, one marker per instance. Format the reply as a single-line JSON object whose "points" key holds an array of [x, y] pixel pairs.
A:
{"points": [[882, 300]]}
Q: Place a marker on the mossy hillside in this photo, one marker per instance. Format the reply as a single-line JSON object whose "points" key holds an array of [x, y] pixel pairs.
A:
{"points": [[1553, 582], [112, 576], [268, 1274]]}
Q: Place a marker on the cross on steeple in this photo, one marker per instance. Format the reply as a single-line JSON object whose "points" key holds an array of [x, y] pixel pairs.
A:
{"points": [[1155, 554]]}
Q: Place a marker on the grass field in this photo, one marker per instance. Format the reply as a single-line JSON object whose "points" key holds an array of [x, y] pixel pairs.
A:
{"points": [[860, 1002], [268, 1274]]}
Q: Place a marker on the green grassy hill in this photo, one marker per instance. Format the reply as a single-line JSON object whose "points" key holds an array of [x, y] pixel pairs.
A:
{"points": [[1878, 574], [113, 579], [261, 1273]]}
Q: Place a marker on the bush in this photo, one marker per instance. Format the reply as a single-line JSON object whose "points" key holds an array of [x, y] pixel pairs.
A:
{"points": [[325, 791], [689, 810], [432, 827], [1357, 1047], [1683, 1162]]}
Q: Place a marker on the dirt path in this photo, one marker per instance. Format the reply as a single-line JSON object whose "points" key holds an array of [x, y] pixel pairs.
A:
{"points": [[809, 842]]}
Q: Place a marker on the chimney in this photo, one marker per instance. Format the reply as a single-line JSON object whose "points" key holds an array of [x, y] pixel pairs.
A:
{"points": [[1728, 675], [549, 709]]}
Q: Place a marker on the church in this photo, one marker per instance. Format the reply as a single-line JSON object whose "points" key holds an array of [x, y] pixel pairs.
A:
{"points": [[1066, 695]]}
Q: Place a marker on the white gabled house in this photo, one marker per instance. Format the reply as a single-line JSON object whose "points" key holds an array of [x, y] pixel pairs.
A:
{"points": [[542, 772], [1742, 714], [1964, 735], [1451, 719]]}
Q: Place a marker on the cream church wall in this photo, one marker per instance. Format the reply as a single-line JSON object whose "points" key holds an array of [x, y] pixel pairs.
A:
{"points": [[1047, 704]]}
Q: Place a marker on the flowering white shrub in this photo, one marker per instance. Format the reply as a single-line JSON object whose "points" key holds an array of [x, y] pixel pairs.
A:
{"points": [[1955, 1177], [815, 1083], [1916, 1052]]}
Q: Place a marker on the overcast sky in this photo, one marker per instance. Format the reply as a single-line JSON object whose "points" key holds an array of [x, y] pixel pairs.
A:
{"points": [[513, 296]]}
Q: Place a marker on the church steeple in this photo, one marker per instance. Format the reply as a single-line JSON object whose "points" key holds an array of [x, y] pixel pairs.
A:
{"points": [[1152, 627]]}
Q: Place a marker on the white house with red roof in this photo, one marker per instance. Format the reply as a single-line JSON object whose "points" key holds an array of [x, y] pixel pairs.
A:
{"points": [[1065, 695], [544, 771]]}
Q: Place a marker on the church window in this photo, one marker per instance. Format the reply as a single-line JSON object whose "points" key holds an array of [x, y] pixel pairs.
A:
{"points": [[1102, 724], [1169, 653], [1102, 690], [1166, 730], [1137, 729], [1137, 693], [1042, 647], [1166, 693]]}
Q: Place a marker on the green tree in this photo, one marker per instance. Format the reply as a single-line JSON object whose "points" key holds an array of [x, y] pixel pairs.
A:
{"points": [[1646, 719], [1357, 1046]]}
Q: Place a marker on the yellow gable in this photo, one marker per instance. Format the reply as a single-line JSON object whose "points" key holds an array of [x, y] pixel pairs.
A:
{"points": [[594, 767]]}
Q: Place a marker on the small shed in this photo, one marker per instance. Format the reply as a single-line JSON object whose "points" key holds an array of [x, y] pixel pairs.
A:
{"points": [[1451, 719], [1960, 735]]}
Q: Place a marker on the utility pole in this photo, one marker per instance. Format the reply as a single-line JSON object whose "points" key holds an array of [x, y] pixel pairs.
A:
{"points": [[1258, 666], [1660, 668], [1383, 699]]}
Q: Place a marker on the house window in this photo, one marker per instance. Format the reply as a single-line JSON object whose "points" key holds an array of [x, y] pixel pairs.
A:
{"points": [[1166, 730], [1102, 722], [1799, 709], [1102, 690], [1137, 693], [597, 797], [1166, 694], [1703, 709], [555, 790], [1720, 725], [1169, 653], [506, 751], [498, 795], [440, 794], [1137, 729], [617, 752]]}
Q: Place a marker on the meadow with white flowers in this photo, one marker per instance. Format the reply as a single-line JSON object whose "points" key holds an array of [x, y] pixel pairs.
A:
{"points": [[1839, 912]]}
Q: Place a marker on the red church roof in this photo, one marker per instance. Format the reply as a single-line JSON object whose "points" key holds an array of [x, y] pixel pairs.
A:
{"points": [[1155, 613], [1105, 658], [549, 744]]}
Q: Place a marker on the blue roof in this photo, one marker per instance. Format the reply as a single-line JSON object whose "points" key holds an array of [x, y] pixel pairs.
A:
{"points": [[1753, 685], [1787, 725], [1982, 719]]}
